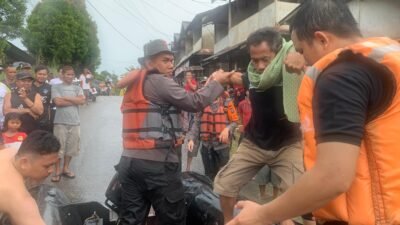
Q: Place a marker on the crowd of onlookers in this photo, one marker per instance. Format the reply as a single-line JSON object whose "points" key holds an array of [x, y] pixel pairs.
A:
{"points": [[33, 99]]}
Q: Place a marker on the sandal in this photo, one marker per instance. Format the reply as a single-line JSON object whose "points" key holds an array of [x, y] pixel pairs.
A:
{"points": [[69, 175], [56, 178]]}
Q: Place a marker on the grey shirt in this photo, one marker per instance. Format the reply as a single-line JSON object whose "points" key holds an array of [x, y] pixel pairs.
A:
{"points": [[162, 90], [68, 115]]}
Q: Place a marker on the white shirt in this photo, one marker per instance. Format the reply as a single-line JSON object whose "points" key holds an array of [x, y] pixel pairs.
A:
{"points": [[55, 81], [84, 84], [3, 91]]}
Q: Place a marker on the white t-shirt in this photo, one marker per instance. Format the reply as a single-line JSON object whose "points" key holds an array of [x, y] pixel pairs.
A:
{"points": [[85, 85], [55, 81], [3, 91]]}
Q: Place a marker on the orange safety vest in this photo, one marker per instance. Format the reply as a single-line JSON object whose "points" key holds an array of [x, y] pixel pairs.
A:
{"points": [[146, 125], [213, 123], [374, 196]]}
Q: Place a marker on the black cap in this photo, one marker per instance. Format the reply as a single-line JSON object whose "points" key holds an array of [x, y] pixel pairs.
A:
{"points": [[24, 75]]}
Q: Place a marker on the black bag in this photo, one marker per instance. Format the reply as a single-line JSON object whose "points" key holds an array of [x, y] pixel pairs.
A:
{"points": [[113, 194], [202, 203], [88, 213]]}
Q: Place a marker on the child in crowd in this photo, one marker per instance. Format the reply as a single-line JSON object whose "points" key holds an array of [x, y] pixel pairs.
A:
{"points": [[11, 136]]}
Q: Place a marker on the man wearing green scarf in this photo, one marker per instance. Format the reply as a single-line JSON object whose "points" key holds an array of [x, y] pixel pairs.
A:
{"points": [[272, 137]]}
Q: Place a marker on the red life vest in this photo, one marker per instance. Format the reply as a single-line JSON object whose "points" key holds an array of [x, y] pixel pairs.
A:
{"points": [[146, 125]]}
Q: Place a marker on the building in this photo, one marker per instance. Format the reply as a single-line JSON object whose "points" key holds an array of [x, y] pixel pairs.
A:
{"points": [[216, 38], [14, 54]]}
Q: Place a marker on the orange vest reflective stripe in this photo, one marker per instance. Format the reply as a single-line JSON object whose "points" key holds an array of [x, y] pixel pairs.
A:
{"points": [[146, 125], [374, 196]]}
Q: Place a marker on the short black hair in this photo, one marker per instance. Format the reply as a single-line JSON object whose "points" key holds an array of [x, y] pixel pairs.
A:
{"points": [[66, 68], [40, 142], [10, 116], [269, 35], [41, 67], [333, 16]]}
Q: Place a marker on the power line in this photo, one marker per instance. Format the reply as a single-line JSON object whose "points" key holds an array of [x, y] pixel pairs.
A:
{"points": [[200, 2], [155, 8], [185, 10], [116, 30], [143, 21]]}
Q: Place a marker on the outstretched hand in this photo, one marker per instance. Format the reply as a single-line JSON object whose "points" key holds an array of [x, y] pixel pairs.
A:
{"points": [[250, 214], [221, 76]]}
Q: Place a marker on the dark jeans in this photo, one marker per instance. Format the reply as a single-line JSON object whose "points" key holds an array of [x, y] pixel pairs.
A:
{"points": [[213, 160], [145, 183]]}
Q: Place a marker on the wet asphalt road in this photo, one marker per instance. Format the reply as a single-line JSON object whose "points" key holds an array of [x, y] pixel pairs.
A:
{"points": [[101, 147]]}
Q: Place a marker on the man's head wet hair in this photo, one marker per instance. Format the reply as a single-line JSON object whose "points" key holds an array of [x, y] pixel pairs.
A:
{"points": [[41, 67], [39, 143], [268, 35], [331, 16]]}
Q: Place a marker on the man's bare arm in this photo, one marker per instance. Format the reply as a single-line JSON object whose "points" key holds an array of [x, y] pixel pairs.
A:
{"points": [[24, 211], [331, 176], [129, 78], [36, 107], [7, 108], [61, 102], [78, 100]]}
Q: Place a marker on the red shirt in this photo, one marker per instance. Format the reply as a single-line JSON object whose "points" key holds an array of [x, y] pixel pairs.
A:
{"points": [[18, 137], [188, 88], [244, 110]]}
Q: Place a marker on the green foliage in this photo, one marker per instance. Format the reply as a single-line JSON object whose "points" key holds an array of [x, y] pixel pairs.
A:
{"points": [[60, 32], [104, 75], [12, 14]]}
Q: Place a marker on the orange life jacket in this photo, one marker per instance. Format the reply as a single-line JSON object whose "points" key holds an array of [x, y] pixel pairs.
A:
{"points": [[213, 123], [146, 125], [374, 196]]}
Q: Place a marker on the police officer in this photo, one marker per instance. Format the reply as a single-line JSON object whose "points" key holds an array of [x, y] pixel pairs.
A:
{"points": [[149, 167]]}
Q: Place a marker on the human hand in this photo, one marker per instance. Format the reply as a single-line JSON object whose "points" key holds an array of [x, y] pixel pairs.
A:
{"points": [[241, 128], [295, 63], [224, 136], [221, 76], [190, 145], [250, 214], [22, 93], [236, 78]]}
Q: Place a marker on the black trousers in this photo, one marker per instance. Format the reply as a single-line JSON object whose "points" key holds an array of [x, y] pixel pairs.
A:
{"points": [[213, 160], [145, 183]]}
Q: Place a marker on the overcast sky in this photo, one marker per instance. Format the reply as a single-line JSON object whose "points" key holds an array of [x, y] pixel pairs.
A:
{"points": [[132, 23]]}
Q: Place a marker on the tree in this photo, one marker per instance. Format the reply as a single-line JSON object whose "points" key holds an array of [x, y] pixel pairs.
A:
{"points": [[105, 75], [62, 32], [12, 14]]}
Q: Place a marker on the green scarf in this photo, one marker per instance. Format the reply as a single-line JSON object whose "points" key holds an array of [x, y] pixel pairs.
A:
{"points": [[275, 75]]}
